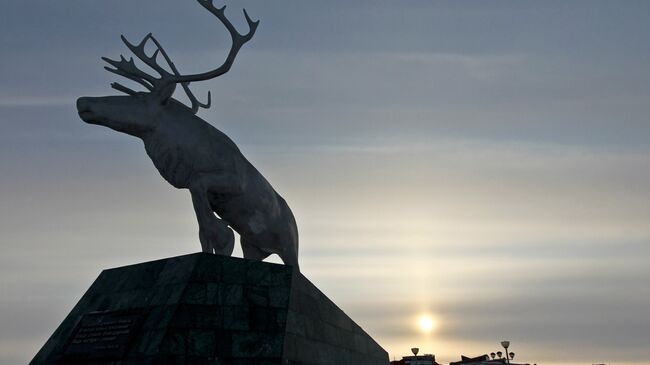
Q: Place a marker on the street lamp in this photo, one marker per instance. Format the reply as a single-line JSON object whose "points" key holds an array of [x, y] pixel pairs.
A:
{"points": [[499, 354], [505, 345], [415, 351]]}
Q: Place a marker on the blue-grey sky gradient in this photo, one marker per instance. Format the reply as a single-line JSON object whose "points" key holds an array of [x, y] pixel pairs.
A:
{"points": [[486, 163]]}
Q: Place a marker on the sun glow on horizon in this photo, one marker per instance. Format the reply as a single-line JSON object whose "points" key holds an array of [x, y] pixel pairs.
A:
{"points": [[427, 323]]}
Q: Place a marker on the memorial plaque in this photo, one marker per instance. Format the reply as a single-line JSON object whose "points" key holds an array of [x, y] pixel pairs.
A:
{"points": [[103, 335]]}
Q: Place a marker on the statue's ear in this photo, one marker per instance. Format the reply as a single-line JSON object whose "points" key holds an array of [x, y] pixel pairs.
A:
{"points": [[166, 93]]}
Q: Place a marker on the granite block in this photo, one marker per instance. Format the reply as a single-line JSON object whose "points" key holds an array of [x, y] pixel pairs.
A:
{"points": [[204, 309]]}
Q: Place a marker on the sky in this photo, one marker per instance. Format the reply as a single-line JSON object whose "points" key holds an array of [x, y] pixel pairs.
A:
{"points": [[483, 164]]}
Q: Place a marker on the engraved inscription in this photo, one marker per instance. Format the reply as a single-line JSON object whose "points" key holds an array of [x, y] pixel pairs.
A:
{"points": [[103, 335]]}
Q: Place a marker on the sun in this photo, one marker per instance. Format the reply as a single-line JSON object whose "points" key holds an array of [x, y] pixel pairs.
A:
{"points": [[426, 323]]}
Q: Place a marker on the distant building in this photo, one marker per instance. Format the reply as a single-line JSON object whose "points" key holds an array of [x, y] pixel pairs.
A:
{"points": [[481, 360], [429, 359], [426, 359]]}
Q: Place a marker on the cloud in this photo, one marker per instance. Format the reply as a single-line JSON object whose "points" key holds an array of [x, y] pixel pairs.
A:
{"points": [[486, 163]]}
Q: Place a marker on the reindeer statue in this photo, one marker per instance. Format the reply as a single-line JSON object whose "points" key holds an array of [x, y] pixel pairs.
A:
{"points": [[191, 154]]}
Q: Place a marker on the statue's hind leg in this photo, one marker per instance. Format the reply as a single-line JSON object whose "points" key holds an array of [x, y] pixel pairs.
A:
{"points": [[251, 251], [290, 257]]}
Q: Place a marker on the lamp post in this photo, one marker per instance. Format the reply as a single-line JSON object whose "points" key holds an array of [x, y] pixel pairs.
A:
{"points": [[505, 345], [415, 351]]}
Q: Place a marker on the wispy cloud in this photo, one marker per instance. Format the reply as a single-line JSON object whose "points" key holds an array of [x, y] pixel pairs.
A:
{"points": [[35, 101], [485, 164]]}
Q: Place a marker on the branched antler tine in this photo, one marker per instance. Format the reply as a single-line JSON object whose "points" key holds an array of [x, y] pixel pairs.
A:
{"points": [[122, 88], [130, 45], [202, 105], [139, 49], [130, 77], [135, 49], [238, 40], [161, 50], [109, 61], [112, 62], [252, 26], [220, 13], [196, 104], [155, 55], [209, 103], [130, 68], [127, 69], [139, 52]]}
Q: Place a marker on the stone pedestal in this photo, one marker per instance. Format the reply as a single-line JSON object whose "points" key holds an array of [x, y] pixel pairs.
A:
{"points": [[206, 309]]}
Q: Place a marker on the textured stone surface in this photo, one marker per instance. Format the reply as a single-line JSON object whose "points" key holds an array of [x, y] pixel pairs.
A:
{"points": [[209, 309]]}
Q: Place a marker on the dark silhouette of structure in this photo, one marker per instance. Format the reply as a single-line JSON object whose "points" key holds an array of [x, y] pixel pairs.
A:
{"points": [[191, 154]]}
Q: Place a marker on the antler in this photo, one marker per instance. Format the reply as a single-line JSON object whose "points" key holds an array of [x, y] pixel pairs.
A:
{"points": [[186, 85], [238, 40], [165, 85], [129, 70]]}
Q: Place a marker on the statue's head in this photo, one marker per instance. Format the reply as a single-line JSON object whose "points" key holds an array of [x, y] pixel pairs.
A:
{"points": [[130, 114], [135, 112]]}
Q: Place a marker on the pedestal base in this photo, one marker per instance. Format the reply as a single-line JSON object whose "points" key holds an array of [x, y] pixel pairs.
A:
{"points": [[207, 309]]}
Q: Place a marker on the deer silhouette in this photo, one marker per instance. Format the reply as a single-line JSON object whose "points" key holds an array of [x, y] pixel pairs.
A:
{"points": [[191, 154]]}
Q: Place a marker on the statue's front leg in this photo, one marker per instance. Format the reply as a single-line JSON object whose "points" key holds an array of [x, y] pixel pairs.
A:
{"points": [[214, 233]]}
